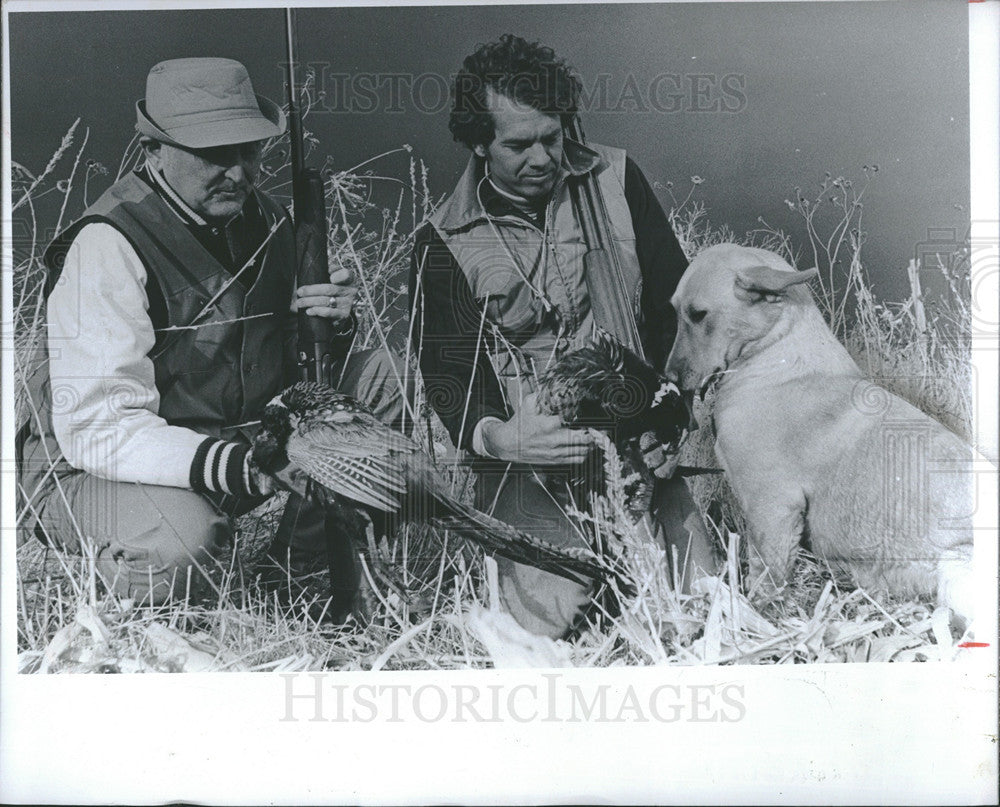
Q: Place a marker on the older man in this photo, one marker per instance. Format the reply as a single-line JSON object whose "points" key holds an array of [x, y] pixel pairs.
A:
{"points": [[170, 319], [499, 284]]}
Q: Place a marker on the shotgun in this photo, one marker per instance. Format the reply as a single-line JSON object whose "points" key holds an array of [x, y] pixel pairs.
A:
{"points": [[314, 333], [609, 299], [309, 205]]}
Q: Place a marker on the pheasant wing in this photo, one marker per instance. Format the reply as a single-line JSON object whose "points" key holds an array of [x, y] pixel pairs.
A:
{"points": [[355, 432], [354, 455]]}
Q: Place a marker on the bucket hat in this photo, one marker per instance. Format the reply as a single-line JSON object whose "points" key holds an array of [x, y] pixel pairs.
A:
{"points": [[205, 102]]}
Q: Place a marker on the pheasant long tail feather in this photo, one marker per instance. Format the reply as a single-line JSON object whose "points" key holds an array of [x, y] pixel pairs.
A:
{"points": [[502, 539]]}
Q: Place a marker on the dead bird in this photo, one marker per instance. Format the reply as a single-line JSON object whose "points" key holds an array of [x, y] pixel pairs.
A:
{"points": [[320, 442], [606, 386]]}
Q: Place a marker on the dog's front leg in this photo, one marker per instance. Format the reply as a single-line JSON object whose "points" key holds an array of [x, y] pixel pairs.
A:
{"points": [[775, 534]]}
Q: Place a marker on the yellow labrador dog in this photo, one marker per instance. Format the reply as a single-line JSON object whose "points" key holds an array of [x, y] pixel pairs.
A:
{"points": [[812, 449]]}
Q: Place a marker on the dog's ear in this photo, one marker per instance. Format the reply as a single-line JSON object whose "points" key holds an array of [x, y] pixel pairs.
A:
{"points": [[755, 284]]}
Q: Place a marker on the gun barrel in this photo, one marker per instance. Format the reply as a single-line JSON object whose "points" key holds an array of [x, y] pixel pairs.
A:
{"points": [[309, 204], [294, 112]]}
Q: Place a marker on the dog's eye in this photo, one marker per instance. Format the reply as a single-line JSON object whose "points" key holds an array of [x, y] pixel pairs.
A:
{"points": [[696, 315]]}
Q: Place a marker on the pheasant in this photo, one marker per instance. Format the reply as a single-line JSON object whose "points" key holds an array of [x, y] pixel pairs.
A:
{"points": [[606, 386], [317, 441]]}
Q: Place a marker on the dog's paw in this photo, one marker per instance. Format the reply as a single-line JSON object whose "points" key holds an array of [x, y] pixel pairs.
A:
{"points": [[760, 583]]}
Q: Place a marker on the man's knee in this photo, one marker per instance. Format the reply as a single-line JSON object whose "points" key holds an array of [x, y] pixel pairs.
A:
{"points": [[147, 540], [540, 602], [188, 529], [381, 380], [173, 546]]}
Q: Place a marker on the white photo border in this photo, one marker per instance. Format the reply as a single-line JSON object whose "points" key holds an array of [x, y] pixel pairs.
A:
{"points": [[810, 734]]}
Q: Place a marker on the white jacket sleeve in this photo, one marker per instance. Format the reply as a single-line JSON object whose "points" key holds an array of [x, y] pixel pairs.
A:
{"points": [[105, 401]]}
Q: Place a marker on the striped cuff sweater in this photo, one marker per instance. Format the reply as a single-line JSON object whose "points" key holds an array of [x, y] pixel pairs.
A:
{"points": [[221, 466]]}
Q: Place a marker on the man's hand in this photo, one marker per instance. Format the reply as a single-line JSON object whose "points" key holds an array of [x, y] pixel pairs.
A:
{"points": [[285, 478], [537, 439], [333, 300], [264, 483]]}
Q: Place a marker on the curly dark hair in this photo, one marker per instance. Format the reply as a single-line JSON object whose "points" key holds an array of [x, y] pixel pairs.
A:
{"points": [[526, 72]]}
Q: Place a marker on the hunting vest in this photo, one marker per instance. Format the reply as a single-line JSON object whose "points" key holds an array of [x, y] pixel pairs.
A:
{"points": [[511, 265], [210, 378]]}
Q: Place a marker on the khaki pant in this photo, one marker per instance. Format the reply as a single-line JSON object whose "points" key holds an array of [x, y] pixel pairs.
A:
{"points": [[155, 543], [535, 501]]}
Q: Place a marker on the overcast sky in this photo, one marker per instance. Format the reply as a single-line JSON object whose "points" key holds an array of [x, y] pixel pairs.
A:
{"points": [[756, 99]]}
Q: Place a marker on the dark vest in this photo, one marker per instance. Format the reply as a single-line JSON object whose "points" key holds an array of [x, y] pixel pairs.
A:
{"points": [[210, 378]]}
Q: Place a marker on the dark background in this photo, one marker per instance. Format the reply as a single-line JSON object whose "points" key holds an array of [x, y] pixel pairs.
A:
{"points": [[815, 87]]}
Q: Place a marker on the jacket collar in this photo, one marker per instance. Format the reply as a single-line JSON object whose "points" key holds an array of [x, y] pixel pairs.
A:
{"points": [[463, 208]]}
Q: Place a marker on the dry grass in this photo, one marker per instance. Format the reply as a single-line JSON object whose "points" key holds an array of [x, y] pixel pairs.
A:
{"points": [[444, 614]]}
